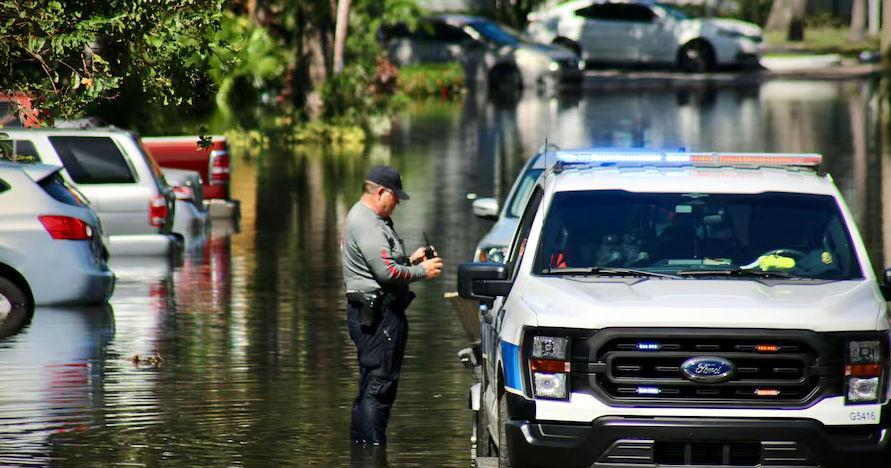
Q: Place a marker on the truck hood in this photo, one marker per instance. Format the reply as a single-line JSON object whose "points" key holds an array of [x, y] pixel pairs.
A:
{"points": [[597, 302]]}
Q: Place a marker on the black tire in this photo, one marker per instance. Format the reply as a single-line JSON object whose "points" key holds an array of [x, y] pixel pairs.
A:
{"points": [[569, 44], [503, 449], [483, 440], [696, 57], [15, 308], [505, 80]]}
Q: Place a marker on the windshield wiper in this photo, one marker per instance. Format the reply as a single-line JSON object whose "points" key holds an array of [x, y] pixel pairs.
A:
{"points": [[605, 271], [739, 272]]}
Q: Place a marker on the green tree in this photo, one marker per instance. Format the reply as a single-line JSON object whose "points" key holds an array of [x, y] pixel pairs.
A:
{"points": [[74, 53]]}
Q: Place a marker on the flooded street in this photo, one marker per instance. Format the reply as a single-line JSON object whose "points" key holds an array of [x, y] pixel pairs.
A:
{"points": [[243, 353]]}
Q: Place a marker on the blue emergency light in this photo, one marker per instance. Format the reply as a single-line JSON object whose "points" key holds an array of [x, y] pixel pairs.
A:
{"points": [[683, 158]]}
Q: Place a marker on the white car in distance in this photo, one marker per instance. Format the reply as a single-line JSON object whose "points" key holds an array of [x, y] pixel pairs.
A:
{"points": [[644, 31]]}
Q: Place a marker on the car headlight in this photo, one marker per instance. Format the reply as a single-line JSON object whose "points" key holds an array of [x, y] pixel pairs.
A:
{"points": [[550, 366], [554, 66], [864, 370], [730, 32]]}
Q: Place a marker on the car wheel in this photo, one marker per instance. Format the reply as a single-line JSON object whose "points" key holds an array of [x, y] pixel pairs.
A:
{"points": [[503, 450], [505, 80], [483, 441], [569, 44], [696, 56], [15, 308]]}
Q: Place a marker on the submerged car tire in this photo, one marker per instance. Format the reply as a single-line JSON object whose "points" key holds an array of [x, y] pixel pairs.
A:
{"points": [[504, 79], [15, 308], [696, 56], [503, 449]]}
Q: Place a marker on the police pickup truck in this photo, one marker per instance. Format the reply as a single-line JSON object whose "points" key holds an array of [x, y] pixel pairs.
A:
{"points": [[682, 309]]}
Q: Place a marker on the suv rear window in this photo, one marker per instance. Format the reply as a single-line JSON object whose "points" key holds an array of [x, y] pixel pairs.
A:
{"points": [[701, 232], [60, 190], [93, 160]]}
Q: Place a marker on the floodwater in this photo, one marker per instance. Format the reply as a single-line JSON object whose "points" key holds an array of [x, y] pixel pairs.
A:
{"points": [[244, 358]]}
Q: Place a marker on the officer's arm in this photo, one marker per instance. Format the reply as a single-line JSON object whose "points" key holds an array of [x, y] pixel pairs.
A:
{"points": [[376, 250]]}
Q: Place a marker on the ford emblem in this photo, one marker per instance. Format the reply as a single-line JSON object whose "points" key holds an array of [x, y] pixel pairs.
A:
{"points": [[708, 369]]}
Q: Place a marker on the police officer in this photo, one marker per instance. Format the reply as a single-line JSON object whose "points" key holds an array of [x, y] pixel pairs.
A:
{"points": [[376, 273]]}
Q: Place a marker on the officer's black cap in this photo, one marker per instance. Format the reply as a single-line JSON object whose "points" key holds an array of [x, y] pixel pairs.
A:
{"points": [[387, 176]]}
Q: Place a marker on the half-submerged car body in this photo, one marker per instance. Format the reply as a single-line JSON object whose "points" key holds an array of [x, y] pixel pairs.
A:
{"points": [[52, 246]]}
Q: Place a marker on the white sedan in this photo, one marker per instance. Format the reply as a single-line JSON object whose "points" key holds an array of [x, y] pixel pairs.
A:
{"points": [[643, 31], [52, 250]]}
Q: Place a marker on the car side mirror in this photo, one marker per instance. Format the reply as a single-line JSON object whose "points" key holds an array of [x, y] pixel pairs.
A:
{"points": [[885, 286], [485, 208], [483, 281]]}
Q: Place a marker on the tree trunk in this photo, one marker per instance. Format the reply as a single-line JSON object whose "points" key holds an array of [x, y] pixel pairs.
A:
{"points": [[340, 33], [885, 37], [858, 21], [787, 16]]}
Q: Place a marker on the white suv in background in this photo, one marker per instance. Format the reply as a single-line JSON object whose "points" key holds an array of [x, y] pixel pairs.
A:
{"points": [[125, 186], [644, 31], [673, 308]]}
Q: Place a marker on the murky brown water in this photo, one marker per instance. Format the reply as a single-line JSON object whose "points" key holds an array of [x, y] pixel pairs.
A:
{"points": [[258, 369]]}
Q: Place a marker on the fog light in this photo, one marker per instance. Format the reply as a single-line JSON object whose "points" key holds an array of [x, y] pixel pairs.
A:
{"points": [[553, 66], [549, 385], [863, 390], [582, 64]]}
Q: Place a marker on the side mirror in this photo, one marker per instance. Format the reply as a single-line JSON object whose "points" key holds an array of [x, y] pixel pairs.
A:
{"points": [[885, 286], [483, 281], [486, 208]]}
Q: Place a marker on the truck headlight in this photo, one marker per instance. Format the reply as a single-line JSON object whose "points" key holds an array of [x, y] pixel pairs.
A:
{"points": [[863, 371], [550, 366], [550, 347]]}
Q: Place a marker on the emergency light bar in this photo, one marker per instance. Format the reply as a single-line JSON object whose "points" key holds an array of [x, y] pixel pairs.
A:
{"points": [[680, 158]]}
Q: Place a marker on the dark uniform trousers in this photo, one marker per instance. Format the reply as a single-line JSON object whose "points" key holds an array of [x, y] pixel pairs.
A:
{"points": [[380, 349]]}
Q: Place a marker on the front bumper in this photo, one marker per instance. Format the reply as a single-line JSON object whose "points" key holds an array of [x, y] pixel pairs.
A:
{"points": [[652, 442]]}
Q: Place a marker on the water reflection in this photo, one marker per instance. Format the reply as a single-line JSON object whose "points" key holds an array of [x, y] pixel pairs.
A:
{"points": [[53, 376], [257, 365]]}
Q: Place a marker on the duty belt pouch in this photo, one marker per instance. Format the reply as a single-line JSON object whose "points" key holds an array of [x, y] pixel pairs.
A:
{"points": [[370, 312]]}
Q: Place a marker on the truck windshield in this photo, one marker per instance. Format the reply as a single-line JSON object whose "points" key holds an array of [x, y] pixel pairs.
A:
{"points": [[697, 235]]}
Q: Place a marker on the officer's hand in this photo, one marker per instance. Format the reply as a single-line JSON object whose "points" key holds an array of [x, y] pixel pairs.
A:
{"points": [[417, 256], [433, 267]]}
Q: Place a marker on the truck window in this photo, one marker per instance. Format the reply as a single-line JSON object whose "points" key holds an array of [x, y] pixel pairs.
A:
{"points": [[671, 232], [93, 160]]}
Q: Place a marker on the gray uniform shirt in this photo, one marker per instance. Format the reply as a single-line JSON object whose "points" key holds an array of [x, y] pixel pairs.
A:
{"points": [[373, 254]]}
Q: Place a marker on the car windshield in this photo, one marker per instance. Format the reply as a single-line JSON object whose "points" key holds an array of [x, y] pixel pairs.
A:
{"points": [[496, 33], [674, 12], [773, 235]]}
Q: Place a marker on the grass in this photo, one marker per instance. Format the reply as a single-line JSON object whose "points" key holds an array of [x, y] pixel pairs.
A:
{"points": [[819, 40]]}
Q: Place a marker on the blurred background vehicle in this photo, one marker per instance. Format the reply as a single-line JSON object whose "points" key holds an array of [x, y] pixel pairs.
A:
{"points": [[487, 51], [52, 247], [493, 246], [211, 163], [644, 31], [125, 186]]}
